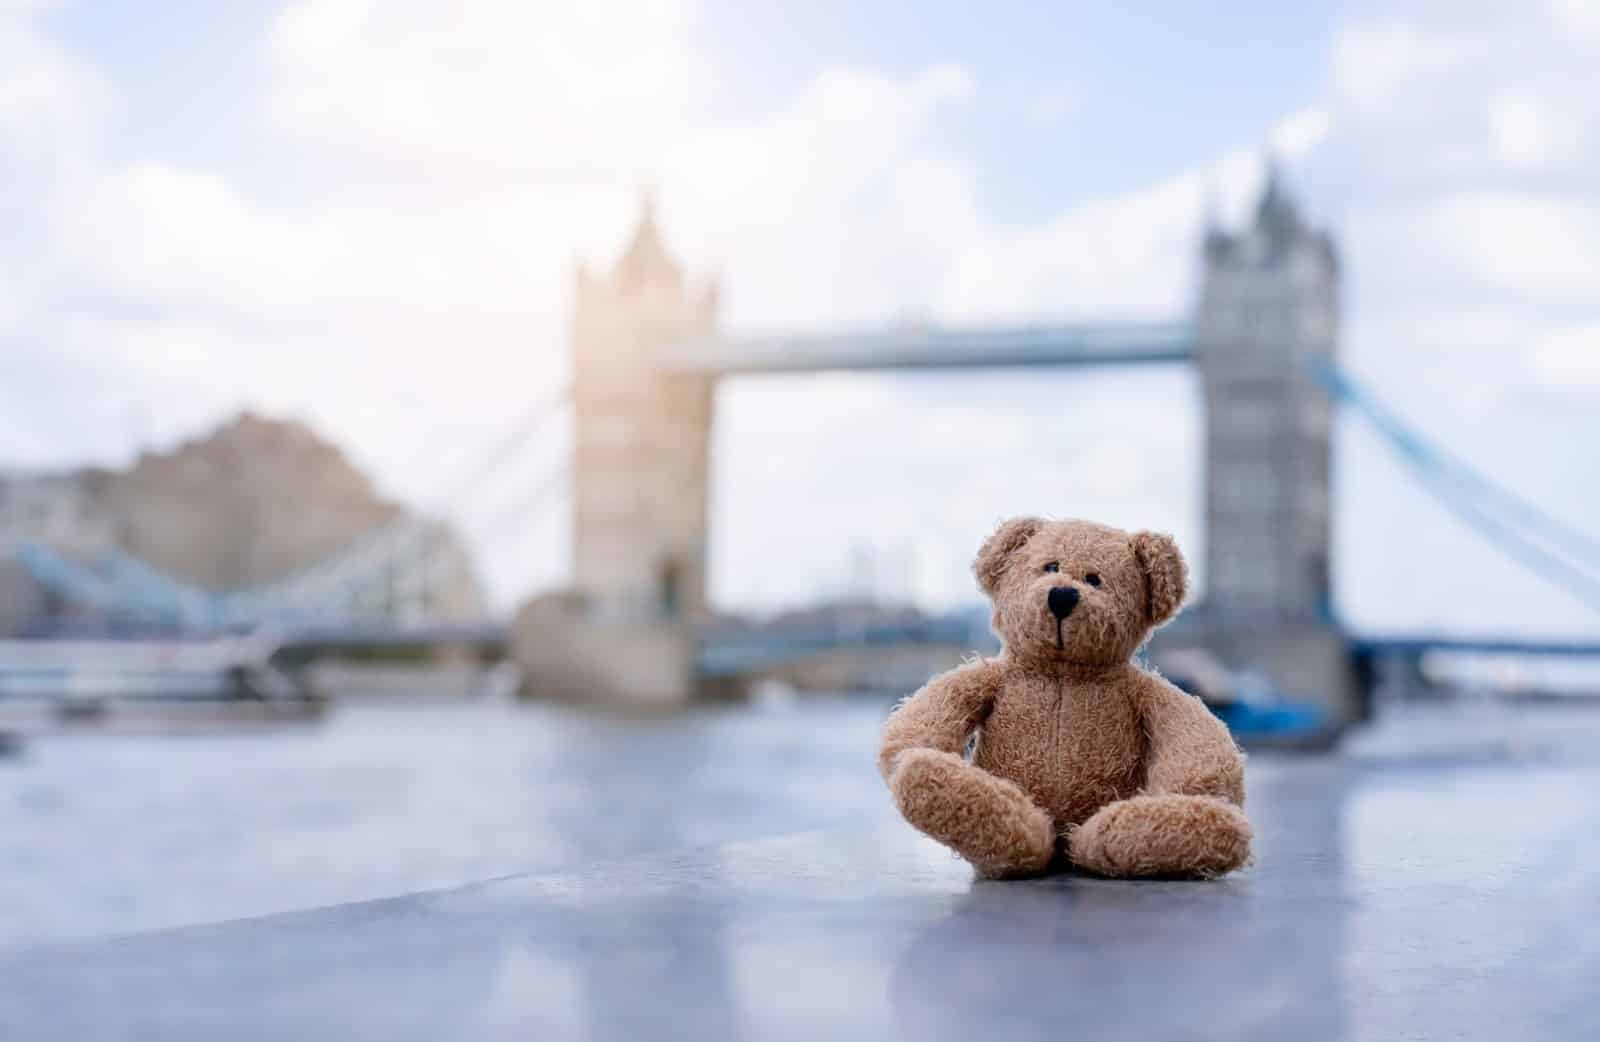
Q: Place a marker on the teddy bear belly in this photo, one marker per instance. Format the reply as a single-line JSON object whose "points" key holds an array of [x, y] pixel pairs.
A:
{"points": [[1070, 763]]}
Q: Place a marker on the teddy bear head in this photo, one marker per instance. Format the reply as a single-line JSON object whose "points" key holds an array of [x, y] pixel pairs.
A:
{"points": [[1077, 592]]}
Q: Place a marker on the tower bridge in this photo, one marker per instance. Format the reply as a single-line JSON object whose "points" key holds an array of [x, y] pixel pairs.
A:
{"points": [[647, 357], [635, 625]]}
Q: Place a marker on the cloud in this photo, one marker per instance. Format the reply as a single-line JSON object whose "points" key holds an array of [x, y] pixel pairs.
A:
{"points": [[1581, 18], [1298, 134], [45, 94], [48, 104], [1526, 134], [1130, 254], [1569, 358], [463, 92], [1386, 69], [1526, 247]]}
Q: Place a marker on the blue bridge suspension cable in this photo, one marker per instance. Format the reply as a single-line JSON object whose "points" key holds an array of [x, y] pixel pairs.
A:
{"points": [[1480, 502]]}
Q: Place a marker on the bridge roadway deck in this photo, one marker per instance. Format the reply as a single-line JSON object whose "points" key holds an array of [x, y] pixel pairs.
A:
{"points": [[927, 346], [1449, 898]]}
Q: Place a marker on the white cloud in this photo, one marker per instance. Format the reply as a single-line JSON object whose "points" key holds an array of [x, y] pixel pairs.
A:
{"points": [[48, 101], [1388, 68], [1581, 18], [1296, 135], [394, 266], [470, 90], [810, 469], [44, 93], [1525, 133], [1535, 246], [1130, 254], [1569, 359]]}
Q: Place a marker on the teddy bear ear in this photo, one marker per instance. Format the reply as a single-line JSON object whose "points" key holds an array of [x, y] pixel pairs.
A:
{"points": [[1010, 537], [1166, 576]]}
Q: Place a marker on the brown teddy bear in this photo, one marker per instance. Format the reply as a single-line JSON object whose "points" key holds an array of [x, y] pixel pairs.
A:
{"points": [[1081, 755]]}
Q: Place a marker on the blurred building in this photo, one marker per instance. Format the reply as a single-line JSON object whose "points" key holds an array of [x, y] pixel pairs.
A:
{"points": [[58, 509], [247, 505]]}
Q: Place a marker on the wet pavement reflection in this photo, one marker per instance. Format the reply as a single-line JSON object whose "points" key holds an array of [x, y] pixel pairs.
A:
{"points": [[1442, 898]]}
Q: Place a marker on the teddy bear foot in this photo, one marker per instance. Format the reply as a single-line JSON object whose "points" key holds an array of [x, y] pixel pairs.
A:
{"points": [[1163, 836], [987, 820]]}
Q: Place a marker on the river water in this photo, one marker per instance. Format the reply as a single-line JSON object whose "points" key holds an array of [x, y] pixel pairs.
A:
{"points": [[113, 833]]}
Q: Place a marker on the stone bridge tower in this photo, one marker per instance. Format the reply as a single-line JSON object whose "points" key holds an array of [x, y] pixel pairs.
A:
{"points": [[640, 483], [641, 439], [1267, 316]]}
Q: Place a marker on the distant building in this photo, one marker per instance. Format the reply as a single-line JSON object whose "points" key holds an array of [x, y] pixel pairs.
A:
{"points": [[251, 504], [56, 508]]}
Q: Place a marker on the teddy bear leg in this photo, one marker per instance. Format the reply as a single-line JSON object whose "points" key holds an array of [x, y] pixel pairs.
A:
{"points": [[987, 820], [1163, 836]]}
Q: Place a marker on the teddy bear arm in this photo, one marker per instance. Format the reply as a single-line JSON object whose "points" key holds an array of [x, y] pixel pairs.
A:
{"points": [[942, 715], [1190, 751]]}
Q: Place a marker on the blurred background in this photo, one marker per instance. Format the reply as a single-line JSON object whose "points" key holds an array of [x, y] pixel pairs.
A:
{"points": [[451, 439]]}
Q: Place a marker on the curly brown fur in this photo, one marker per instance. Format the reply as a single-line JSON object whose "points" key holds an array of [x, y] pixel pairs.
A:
{"points": [[1163, 836], [1077, 740], [984, 818]]}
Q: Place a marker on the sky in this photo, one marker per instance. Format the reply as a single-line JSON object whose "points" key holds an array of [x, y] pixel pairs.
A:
{"points": [[368, 217]]}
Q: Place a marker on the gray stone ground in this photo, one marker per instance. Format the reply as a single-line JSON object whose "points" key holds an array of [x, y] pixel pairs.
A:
{"points": [[1446, 896]]}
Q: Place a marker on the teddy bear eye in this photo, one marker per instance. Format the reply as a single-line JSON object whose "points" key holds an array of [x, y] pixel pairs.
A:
{"points": [[1053, 566], [1093, 579]]}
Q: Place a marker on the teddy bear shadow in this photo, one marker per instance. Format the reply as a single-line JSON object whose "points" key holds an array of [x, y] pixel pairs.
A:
{"points": [[1108, 959]]}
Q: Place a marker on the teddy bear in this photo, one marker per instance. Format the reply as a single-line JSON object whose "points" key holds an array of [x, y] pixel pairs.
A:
{"points": [[1061, 751]]}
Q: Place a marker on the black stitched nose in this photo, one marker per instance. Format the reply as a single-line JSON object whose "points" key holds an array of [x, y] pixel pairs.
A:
{"points": [[1062, 600]]}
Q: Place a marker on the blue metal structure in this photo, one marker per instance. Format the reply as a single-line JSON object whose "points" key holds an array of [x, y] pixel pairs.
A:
{"points": [[389, 565], [1522, 530], [924, 346], [1417, 644]]}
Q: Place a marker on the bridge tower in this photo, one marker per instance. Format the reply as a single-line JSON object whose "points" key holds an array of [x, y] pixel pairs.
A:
{"points": [[640, 482], [642, 437], [1267, 314]]}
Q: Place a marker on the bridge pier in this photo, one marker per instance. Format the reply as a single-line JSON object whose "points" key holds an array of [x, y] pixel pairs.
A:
{"points": [[1311, 663], [566, 654]]}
